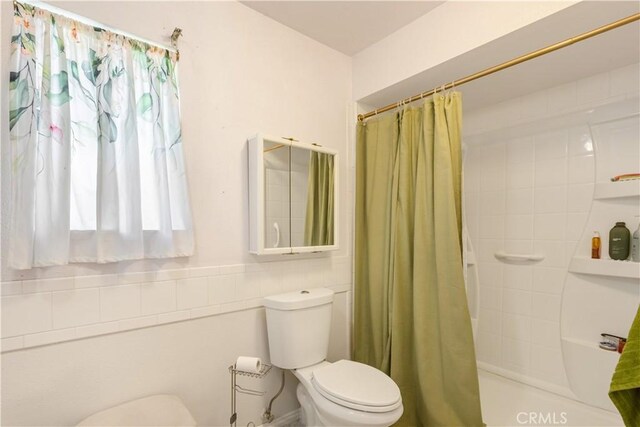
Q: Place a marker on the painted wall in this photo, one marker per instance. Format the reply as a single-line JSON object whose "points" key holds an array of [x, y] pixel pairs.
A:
{"points": [[240, 73], [529, 182], [439, 36]]}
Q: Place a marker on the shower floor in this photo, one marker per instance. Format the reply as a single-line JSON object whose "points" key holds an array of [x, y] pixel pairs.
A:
{"points": [[509, 403]]}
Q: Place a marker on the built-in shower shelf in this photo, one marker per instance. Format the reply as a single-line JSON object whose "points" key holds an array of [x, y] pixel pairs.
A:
{"points": [[605, 267], [614, 190]]}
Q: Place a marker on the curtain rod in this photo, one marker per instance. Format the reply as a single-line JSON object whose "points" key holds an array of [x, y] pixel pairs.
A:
{"points": [[507, 64], [53, 9]]}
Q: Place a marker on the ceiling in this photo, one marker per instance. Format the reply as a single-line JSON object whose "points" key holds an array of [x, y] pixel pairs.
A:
{"points": [[346, 26], [608, 51], [350, 26]]}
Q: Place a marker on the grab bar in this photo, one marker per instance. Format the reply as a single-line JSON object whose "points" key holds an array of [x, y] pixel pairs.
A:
{"points": [[504, 256]]}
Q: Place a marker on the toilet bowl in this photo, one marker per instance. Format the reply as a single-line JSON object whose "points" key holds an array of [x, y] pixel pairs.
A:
{"points": [[343, 393], [347, 393], [156, 410]]}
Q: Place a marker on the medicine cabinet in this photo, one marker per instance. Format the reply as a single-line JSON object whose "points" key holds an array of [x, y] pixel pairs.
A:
{"points": [[293, 196]]}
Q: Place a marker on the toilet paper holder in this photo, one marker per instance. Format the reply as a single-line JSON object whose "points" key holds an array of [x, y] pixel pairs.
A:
{"points": [[235, 388]]}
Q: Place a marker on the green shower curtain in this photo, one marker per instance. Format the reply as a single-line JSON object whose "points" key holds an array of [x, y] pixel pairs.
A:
{"points": [[318, 225], [411, 315]]}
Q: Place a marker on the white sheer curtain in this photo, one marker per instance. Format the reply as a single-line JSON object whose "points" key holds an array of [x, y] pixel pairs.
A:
{"points": [[97, 163]]}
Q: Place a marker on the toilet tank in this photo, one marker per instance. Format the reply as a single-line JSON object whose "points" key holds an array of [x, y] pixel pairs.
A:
{"points": [[298, 324]]}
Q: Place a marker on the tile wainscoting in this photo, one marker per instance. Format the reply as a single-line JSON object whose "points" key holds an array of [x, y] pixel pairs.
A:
{"points": [[46, 311]]}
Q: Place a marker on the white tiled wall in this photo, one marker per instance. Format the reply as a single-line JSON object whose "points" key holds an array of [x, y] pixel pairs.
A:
{"points": [[44, 311], [530, 192]]}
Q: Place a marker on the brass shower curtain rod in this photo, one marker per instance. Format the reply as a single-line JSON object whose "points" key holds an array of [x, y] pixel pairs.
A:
{"points": [[507, 64]]}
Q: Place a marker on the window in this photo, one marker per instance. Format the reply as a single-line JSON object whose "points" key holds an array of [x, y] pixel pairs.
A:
{"points": [[98, 170]]}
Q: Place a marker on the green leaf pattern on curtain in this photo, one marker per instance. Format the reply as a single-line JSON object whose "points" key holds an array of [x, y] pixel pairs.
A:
{"points": [[82, 94], [92, 77]]}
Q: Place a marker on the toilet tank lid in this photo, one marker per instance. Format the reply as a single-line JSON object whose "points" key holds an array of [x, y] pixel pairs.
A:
{"points": [[299, 299]]}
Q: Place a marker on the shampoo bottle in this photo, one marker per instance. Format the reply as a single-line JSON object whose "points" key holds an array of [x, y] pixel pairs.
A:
{"points": [[635, 245], [619, 241], [595, 245]]}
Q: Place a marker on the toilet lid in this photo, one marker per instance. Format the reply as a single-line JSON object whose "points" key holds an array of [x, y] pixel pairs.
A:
{"points": [[357, 386]]}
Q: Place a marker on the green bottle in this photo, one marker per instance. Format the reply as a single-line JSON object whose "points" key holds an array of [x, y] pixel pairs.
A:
{"points": [[619, 242]]}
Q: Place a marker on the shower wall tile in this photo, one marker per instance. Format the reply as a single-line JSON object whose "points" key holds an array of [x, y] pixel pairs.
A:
{"points": [[546, 306], [517, 227], [575, 225], [520, 175], [550, 200], [491, 298], [550, 172], [490, 274], [518, 277], [514, 246], [549, 227], [579, 197], [544, 204], [489, 348], [492, 227], [516, 301], [488, 248], [581, 169], [545, 333], [551, 145], [517, 353], [520, 150], [491, 323], [492, 203], [519, 201], [580, 141], [516, 326], [553, 250], [548, 280]]}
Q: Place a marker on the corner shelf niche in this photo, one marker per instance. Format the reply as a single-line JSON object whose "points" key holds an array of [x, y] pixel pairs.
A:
{"points": [[614, 190], [605, 267]]}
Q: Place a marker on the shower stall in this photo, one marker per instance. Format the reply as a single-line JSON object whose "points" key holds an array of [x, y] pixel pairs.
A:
{"points": [[537, 184]]}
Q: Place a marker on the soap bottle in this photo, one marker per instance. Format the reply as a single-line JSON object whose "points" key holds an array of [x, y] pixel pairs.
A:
{"points": [[635, 245], [619, 242], [595, 245]]}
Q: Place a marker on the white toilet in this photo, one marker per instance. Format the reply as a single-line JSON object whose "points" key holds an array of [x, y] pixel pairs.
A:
{"points": [[343, 393]]}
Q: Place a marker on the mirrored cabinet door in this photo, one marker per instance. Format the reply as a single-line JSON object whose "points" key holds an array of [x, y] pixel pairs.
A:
{"points": [[293, 196], [277, 218]]}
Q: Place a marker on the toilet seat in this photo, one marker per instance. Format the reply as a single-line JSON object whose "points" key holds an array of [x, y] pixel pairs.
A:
{"points": [[357, 386]]}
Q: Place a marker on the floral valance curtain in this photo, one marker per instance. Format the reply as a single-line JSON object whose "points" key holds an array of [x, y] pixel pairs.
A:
{"points": [[97, 162]]}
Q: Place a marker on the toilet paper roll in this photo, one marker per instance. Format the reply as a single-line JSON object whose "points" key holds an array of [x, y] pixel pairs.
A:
{"points": [[249, 364]]}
